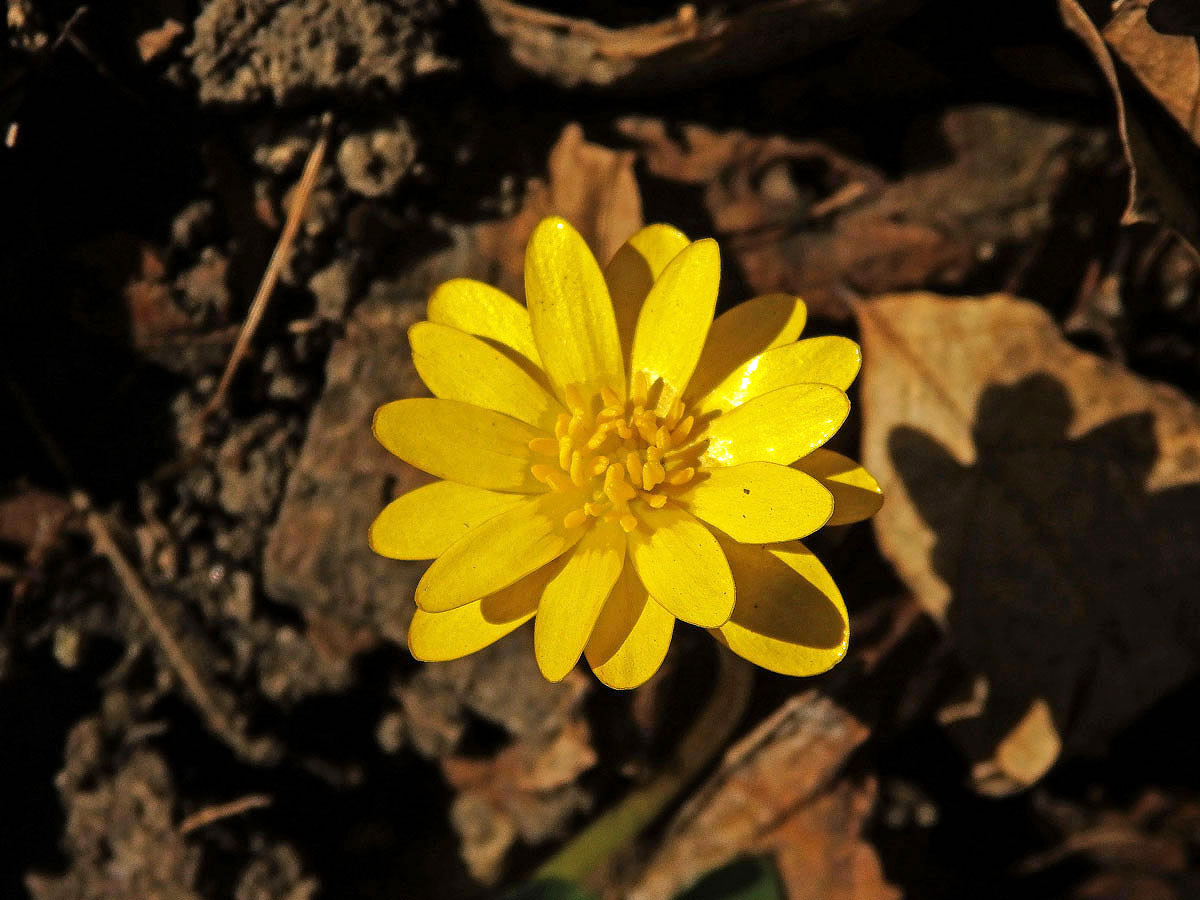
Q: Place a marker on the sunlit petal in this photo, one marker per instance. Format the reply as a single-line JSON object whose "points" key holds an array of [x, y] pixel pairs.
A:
{"points": [[778, 427], [460, 442], [856, 493], [676, 317], [573, 598], [631, 637], [570, 311], [824, 360], [482, 310], [495, 554], [426, 521], [458, 366], [633, 269], [789, 617], [759, 502], [743, 332], [682, 566]]}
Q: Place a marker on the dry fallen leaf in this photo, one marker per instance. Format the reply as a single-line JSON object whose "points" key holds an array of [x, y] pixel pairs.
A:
{"points": [[682, 50], [803, 218], [777, 792], [1042, 505], [1164, 165]]}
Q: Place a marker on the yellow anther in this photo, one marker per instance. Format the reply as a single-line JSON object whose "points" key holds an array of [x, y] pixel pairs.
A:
{"points": [[579, 467], [629, 523], [565, 446], [653, 454], [633, 463], [675, 414], [624, 430], [561, 425], [599, 464], [645, 426], [575, 398], [652, 475], [612, 400], [662, 438], [655, 501], [597, 508], [541, 472], [681, 476], [545, 446], [575, 518], [682, 430], [578, 428], [639, 391]]}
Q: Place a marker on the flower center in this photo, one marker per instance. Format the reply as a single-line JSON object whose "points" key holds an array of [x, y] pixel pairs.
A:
{"points": [[612, 452]]}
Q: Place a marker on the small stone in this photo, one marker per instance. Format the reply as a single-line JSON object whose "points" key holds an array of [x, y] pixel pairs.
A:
{"points": [[373, 162]]}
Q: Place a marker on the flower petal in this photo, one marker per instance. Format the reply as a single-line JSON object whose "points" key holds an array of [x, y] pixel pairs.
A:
{"points": [[485, 311], [778, 427], [789, 617], [424, 522], [461, 442], [631, 637], [759, 502], [743, 332], [822, 360], [574, 597], [676, 317], [856, 493], [442, 636], [570, 310], [458, 366], [495, 554], [634, 268], [682, 566]]}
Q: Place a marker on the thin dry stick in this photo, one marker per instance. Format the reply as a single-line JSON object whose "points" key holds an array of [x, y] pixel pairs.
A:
{"points": [[283, 248], [107, 547], [204, 817]]}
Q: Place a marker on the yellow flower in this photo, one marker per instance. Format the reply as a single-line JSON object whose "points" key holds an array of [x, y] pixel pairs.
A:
{"points": [[613, 460]]}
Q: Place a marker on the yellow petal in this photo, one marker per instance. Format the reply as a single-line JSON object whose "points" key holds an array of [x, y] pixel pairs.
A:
{"points": [[482, 310], [573, 598], [824, 360], [759, 502], [424, 523], [789, 617], [682, 566], [856, 494], [495, 554], [633, 269], [460, 442], [457, 366], [743, 332], [676, 317], [442, 636], [631, 636], [570, 311], [778, 427]]}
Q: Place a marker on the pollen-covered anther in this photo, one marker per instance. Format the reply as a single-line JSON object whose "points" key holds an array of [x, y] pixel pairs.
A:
{"points": [[612, 452]]}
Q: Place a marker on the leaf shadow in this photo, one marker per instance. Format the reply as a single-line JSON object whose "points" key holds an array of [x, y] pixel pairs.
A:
{"points": [[1069, 580]]}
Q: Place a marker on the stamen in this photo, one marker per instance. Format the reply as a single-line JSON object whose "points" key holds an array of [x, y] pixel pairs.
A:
{"points": [[675, 414], [681, 476], [634, 464], [640, 390], [574, 518], [655, 501], [561, 425], [575, 398], [629, 523], [545, 446], [681, 432], [611, 398], [662, 438]]}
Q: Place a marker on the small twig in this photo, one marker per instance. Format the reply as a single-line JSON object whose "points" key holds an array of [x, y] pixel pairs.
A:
{"points": [[202, 818], [107, 547], [279, 258]]}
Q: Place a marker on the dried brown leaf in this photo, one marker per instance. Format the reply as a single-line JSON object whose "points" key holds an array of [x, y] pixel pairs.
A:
{"points": [[777, 792], [1164, 165], [1042, 505], [685, 49]]}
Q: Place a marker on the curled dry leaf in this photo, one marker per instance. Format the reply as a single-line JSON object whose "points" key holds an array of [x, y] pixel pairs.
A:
{"points": [[803, 218], [686, 48], [1164, 164], [777, 792], [1042, 505]]}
